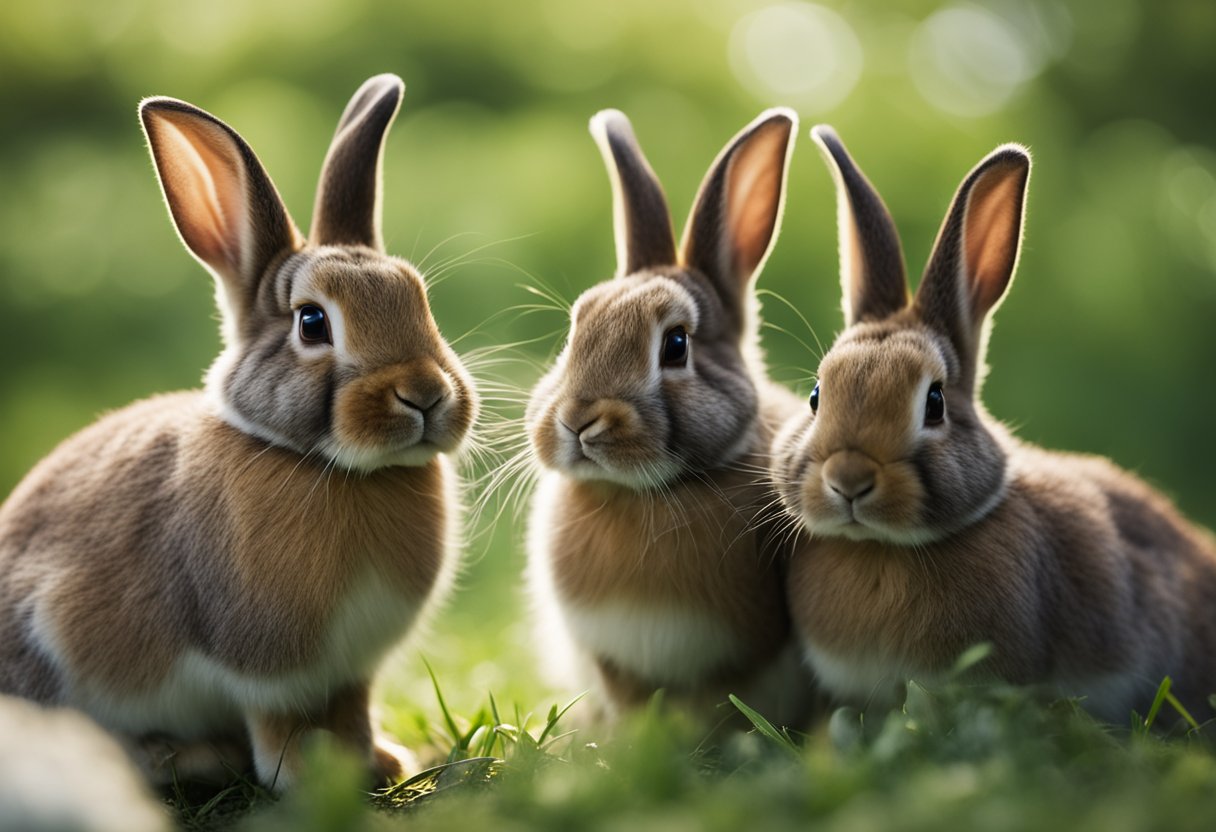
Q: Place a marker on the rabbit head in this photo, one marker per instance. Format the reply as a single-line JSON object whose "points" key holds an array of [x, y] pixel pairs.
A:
{"points": [[895, 445], [330, 346], [657, 379]]}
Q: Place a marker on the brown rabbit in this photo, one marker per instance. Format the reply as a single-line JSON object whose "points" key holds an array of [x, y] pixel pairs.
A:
{"points": [[930, 528], [650, 562], [226, 568]]}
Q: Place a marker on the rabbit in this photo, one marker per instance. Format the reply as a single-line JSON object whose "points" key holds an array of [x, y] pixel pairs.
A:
{"points": [[59, 771], [223, 570], [651, 565], [930, 528]]}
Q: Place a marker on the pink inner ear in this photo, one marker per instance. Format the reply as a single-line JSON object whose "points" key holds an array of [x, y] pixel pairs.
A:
{"points": [[204, 183], [992, 230], [754, 196]]}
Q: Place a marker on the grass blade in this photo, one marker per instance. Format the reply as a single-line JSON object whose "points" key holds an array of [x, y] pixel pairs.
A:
{"points": [[555, 716], [443, 706], [971, 657], [1163, 690], [1182, 711], [763, 726]]}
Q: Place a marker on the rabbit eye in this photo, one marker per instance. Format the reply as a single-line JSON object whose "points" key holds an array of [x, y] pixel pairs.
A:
{"points": [[935, 404], [675, 347], [314, 329], [815, 399]]}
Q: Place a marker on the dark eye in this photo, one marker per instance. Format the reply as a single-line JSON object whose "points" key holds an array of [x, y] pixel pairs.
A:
{"points": [[935, 404], [675, 347], [314, 329], [815, 399]]}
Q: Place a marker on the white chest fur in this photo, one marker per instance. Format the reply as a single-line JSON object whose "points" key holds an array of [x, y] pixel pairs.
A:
{"points": [[200, 695], [667, 646], [860, 680]]}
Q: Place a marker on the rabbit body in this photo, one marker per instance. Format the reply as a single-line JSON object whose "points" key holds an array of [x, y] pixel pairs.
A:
{"points": [[1081, 577], [215, 575], [142, 571], [682, 589], [43, 749], [929, 528], [654, 557]]}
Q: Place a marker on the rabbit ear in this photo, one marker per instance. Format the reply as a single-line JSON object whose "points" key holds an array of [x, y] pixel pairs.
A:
{"points": [[349, 196], [641, 220], [873, 279], [735, 216], [226, 209], [976, 251]]}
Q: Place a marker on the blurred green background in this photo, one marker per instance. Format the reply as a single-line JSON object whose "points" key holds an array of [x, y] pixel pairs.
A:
{"points": [[1106, 343]]}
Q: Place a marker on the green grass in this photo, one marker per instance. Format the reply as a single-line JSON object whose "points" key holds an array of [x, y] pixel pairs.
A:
{"points": [[958, 755]]}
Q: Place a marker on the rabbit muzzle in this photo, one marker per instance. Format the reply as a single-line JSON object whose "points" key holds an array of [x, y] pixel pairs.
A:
{"points": [[593, 430], [852, 494], [403, 414], [607, 439]]}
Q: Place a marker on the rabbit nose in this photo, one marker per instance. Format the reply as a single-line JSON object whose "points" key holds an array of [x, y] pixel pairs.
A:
{"points": [[422, 400], [420, 385], [850, 474], [578, 417]]}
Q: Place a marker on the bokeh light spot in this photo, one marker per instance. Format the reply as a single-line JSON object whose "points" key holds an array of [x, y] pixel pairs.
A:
{"points": [[968, 62], [806, 55]]}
